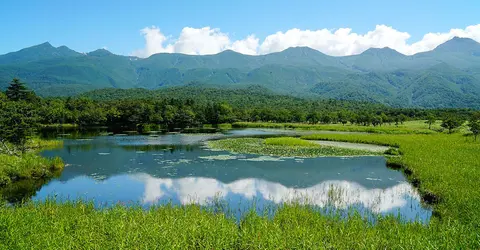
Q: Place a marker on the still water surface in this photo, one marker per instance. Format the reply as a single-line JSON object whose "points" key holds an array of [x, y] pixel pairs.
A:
{"points": [[178, 169]]}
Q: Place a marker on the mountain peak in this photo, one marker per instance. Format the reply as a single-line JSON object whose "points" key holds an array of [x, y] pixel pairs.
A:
{"points": [[386, 51], [459, 44], [45, 44], [100, 52], [229, 52], [301, 51], [42, 46], [43, 51]]}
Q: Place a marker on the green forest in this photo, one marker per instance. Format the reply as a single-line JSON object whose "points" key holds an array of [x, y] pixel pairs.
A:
{"points": [[191, 106]]}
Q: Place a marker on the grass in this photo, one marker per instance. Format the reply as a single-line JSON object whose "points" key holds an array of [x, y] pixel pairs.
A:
{"points": [[446, 169], [36, 143], [409, 127], [30, 165], [78, 225], [283, 146], [289, 141], [59, 125]]}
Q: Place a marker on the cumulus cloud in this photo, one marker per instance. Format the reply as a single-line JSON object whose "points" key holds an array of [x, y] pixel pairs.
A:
{"points": [[338, 42]]}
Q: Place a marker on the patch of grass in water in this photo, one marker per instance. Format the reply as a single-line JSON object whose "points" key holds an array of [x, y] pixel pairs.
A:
{"points": [[282, 147], [289, 141]]}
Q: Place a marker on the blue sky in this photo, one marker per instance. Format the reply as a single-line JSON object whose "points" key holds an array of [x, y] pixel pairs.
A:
{"points": [[88, 25]]}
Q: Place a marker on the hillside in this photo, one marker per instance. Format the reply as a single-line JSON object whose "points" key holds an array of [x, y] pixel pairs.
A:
{"points": [[448, 76]]}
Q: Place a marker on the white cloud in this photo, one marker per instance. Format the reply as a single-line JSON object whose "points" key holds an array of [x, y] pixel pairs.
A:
{"points": [[247, 46], [339, 42]]}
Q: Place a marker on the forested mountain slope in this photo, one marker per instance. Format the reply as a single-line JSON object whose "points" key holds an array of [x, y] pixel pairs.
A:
{"points": [[448, 76]]}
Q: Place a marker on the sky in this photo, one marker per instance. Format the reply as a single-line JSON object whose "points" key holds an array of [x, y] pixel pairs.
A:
{"points": [[142, 28]]}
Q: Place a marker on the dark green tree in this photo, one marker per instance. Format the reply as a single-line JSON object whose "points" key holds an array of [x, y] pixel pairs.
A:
{"points": [[474, 125], [18, 91], [430, 120], [18, 121], [451, 122], [403, 118]]}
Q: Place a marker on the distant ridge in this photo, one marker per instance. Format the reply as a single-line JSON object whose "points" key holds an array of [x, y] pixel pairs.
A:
{"points": [[448, 76]]}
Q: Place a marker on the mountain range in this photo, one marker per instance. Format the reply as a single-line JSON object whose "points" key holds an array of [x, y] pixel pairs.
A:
{"points": [[448, 76]]}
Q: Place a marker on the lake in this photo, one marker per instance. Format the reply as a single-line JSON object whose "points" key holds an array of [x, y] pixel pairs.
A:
{"points": [[178, 169]]}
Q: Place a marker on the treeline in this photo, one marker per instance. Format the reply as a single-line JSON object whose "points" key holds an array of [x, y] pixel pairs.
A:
{"points": [[193, 106]]}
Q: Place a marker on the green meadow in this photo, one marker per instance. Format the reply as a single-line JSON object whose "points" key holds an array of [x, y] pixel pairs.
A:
{"points": [[408, 127]]}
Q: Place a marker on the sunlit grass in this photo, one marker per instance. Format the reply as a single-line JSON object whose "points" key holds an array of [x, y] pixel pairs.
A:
{"points": [[78, 225], [446, 168], [289, 141], [410, 127], [30, 165], [27, 166]]}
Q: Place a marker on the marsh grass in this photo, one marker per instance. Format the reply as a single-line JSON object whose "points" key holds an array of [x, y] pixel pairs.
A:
{"points": [[79, 225], [37, 144], [289, 141], [30, 165], [445, 168], [291, 147], [27, 166]]}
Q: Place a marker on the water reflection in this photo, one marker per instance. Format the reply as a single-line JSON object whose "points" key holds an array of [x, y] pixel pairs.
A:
{"points": [[177, 168], [340, 194]]}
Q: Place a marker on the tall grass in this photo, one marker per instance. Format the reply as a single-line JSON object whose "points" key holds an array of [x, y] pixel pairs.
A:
{"points": [[27, 166], [78, 225], [446, 169], [30, 165]]}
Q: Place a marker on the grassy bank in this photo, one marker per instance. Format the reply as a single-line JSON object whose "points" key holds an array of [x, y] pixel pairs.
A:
{"points": [[29, 165], [79, 226], [283, 146], [446, 168], [410, 127]]}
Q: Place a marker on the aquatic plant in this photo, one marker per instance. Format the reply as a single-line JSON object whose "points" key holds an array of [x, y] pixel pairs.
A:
{"points": [[289, 141], [292, 147]]}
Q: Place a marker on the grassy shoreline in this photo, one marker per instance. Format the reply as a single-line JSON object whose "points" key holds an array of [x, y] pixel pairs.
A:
{"points": [[445, 169], [410, 127], [30, 165], [78, 225]]}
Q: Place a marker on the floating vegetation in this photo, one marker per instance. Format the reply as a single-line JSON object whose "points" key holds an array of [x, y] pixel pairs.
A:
{"points": [[289, 141], [103, 153], [219, 157], [263, 158], [170, 162], [282, 147]]}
